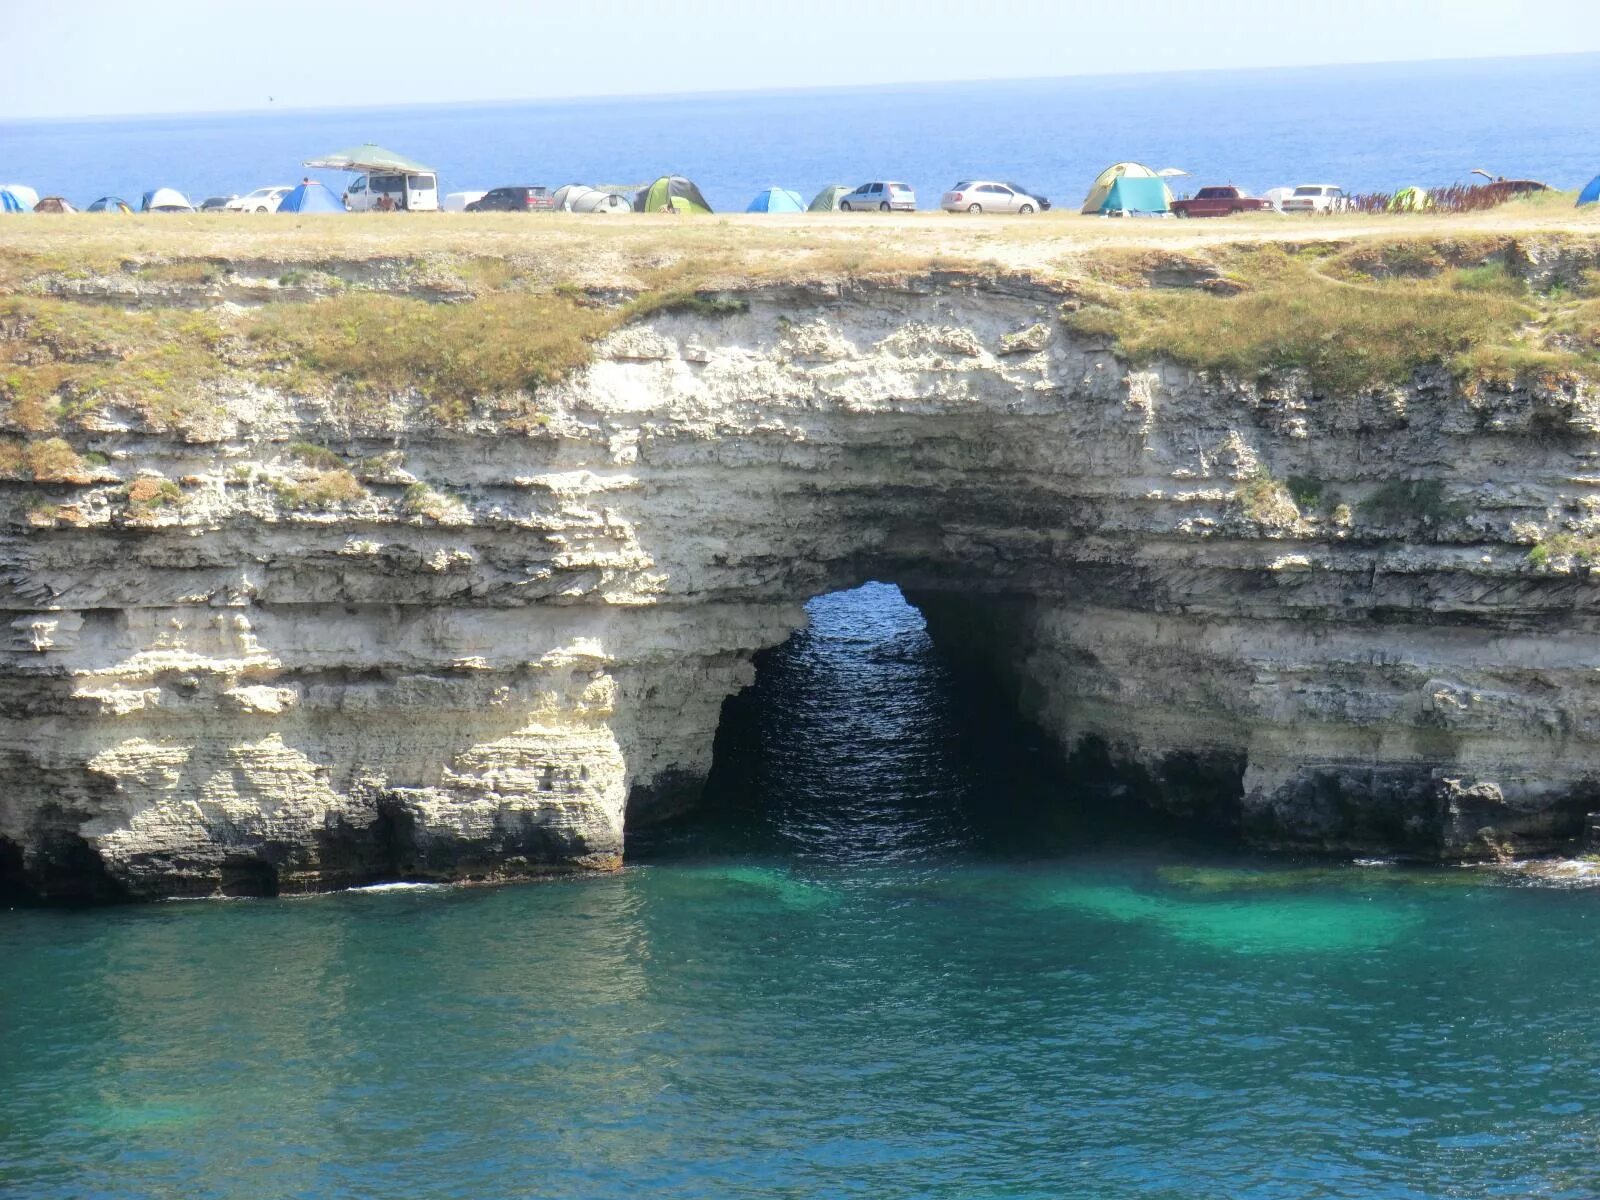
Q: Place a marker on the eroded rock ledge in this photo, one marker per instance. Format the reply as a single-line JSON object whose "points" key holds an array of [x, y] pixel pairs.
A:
{"points": [[478, 650]]}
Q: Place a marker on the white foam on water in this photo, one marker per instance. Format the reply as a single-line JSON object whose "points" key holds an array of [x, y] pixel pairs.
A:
{"points": [[401, 887]]}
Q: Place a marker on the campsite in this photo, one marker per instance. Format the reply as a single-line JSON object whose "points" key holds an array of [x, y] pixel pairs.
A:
{"points": [[385, 181]]}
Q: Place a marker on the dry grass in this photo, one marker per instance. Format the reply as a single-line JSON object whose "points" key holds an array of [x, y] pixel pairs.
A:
{"points": [[1285, 310], [450, 354]]}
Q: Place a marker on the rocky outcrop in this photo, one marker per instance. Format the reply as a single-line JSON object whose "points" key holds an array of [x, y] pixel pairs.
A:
{"points": [[481, 649]]}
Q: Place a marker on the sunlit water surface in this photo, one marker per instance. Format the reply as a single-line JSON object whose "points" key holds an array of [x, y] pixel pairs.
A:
{"points": [[898, 956]]}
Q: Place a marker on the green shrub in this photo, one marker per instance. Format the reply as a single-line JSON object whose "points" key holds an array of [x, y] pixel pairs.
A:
{"points": [[1402, 501]]}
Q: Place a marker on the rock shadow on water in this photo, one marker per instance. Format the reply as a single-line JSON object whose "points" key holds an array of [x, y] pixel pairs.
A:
{"points": [[752, 886]]}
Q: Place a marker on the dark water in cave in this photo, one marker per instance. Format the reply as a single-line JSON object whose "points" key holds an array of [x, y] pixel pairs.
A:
{"points": [[899, 955]]}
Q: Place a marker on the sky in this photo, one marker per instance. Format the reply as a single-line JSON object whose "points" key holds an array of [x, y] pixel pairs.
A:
{"points": [[127, 57]]}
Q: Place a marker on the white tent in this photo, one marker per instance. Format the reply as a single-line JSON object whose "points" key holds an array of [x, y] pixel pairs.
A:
{"points": [[577, 198]]}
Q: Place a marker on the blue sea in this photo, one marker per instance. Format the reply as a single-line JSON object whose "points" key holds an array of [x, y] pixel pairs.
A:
{"points": [[900, 956], [1365, 127]]}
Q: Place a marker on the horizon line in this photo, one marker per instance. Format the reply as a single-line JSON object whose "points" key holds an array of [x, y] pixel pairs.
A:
{"points": [[592, 97]]}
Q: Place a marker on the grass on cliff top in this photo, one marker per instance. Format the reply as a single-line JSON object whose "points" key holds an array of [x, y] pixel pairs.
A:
{"points": [[381, 345], [64, 362], [1272, 309]]}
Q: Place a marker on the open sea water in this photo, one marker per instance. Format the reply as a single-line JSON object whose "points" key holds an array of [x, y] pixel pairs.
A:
{"points": [[899, 955], [1365, 127]]}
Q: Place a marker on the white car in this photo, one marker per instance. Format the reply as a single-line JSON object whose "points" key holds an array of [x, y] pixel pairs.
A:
{"points": [[879, 197], [984, 195], [261, 200], [1316, 197]]}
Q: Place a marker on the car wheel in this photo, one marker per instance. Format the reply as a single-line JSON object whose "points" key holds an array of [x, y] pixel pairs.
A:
{"points": [[975, 208], [1183, 214], [884, 207], [844, 206], [261, 208]]}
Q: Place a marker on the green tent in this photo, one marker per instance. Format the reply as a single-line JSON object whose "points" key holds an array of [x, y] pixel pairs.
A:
{"points": [[827, 200], [1411, 199], [1095, 201], [368, 157], [671, 193]]}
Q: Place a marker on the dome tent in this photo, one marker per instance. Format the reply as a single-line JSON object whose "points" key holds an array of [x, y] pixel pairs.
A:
{"points": [[580, 198], [165, 200], [1590, 194], [54, 204], [1128, 187], [777, 200], [9, 203], [21, 194], [671, 193], [310, 197], [827, 200], [111, 204]]}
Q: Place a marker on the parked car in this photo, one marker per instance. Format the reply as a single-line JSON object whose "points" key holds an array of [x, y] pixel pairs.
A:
{"points": [[1219, 202], [216, 203], [414, 192], [1317, 197], [879, 196], [521, 198], [264, 199], [983, 195]]}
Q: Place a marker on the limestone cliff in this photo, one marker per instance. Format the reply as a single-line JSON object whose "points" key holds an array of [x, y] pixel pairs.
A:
{"points": [[305, 643]]}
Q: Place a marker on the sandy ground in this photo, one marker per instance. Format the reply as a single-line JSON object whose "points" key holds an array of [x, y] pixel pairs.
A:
{"points": [[594, 249]]}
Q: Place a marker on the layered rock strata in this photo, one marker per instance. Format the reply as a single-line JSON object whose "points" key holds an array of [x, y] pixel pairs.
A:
{"points": [[236, 692]]}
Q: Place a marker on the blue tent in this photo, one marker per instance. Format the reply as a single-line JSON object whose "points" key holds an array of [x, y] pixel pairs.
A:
{"points": [[1590, 194], [1135, 196], [114, 204], [9, 202], [777, 200], [310, 197]]}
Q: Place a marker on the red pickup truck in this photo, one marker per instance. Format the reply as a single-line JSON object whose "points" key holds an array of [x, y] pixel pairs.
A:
{"points": [[1219, 202]]}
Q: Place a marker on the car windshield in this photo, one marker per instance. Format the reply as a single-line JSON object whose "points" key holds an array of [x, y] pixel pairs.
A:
{"points": [[420, 183], [962, 186], [260, 193], [898, 187], [1308, 191]]}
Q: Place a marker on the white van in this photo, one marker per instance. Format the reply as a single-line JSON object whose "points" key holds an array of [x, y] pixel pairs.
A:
{"points": [[415, 192]]}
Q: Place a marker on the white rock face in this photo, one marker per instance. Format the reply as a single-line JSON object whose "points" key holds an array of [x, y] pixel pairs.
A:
{"points": [[233, 695]]}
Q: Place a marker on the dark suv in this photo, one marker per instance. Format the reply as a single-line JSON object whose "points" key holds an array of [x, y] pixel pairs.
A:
{"points": [[514, 199]]}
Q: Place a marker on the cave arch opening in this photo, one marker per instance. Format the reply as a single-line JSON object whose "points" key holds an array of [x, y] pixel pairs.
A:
{"points": [[877, 733]]}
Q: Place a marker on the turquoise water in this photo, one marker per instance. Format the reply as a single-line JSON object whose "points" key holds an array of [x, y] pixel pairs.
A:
{"points": [[900, 956]]}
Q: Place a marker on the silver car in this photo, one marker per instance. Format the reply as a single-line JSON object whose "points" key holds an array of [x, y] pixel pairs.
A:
{"points": [[879, 197], [985, 195]]}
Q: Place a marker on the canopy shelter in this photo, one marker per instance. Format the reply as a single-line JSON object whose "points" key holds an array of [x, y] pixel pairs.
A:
{"points": [[580, 198], [1590, 194], [22, 194], [827, 200], [54, 204], [1410, 199], [671, 193], [165, 200], [369, 157], [1147, 191], [111, 204], [777, 200], [310, 197]]}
